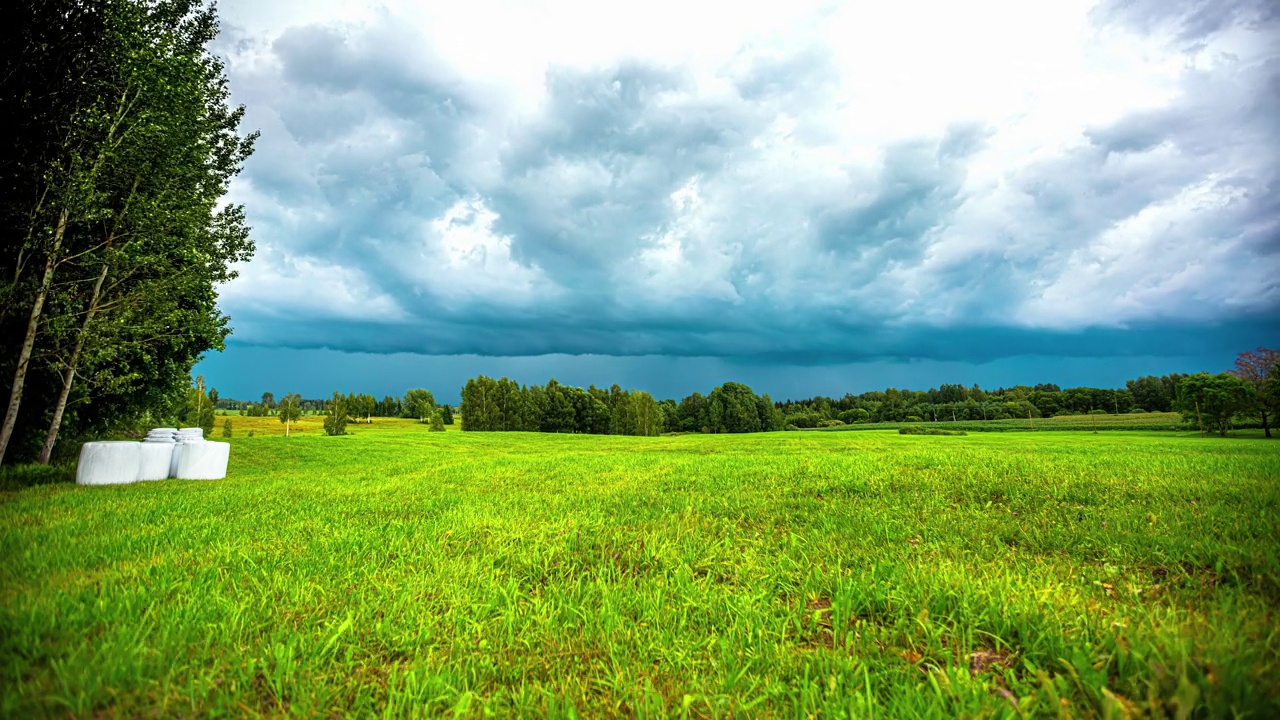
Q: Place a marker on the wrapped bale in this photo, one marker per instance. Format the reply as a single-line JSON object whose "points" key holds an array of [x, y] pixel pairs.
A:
{"points": [[203, 460], [109, 462]]}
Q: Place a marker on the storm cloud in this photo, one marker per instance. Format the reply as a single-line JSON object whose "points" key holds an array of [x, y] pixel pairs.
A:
{"points": [[778, 198]]}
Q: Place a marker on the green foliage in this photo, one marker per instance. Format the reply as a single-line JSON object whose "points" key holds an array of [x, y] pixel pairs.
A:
{"points": [[335, 415], [16, 477], [199, 409], [503, 405], [290, 411], [829, 574], [437, 421], [419, 403], [124, 146], [1213, 400], [1256, 368], [854, 415], [226, 428], [446, 414]]}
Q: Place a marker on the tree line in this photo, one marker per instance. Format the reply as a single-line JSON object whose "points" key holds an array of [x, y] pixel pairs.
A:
{"points": [[504, 405], [418, 403], [120, 145], [1247, 394]]}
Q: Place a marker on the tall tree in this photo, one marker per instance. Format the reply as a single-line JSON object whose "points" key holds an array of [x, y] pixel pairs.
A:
{"points": [[1254, 368], [123, 202], [199, 411], [335, 415], [289, 410]]}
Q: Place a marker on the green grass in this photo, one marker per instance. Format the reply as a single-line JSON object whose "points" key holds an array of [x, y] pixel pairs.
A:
{"points": [[398, 572], [1138, 421]]}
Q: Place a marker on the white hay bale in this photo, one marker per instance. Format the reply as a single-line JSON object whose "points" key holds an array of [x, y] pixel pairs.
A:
{"points": [[202, 460], [109, 462], [155, 459]]}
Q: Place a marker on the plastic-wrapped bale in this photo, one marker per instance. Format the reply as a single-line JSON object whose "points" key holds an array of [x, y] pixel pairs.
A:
{"points": [[203, 460], [110, 462], [156, 459]]}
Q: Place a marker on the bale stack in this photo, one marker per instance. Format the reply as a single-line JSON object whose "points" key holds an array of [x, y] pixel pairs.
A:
{"points": [[157, 454], [164, 453]]}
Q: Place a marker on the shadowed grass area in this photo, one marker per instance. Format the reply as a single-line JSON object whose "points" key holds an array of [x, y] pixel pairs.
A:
{"points": [[400, 572]]}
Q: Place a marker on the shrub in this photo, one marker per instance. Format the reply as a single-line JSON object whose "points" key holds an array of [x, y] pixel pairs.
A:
{"points": [[855, 415], [226, 428], [830, 423], [16, 477], [437, 422], [917, 430], [250, 433], [790, 427], [1137, 411], [804, 420], [914, 418]]}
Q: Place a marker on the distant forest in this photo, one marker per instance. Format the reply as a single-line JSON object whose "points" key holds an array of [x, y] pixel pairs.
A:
{"points": [[1245, 396]]}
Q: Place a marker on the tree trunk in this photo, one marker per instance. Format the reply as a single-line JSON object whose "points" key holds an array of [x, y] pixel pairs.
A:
{"points": [[29, 342], [70, 375], [286, 428], [1266, 429]]}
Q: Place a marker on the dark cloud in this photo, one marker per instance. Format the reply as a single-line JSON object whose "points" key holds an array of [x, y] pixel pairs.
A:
{"points": [[634, 214], [917, 189]]}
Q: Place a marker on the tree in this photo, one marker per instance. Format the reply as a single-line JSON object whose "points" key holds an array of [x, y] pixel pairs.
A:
{"points": [[1255, 368], [419, 403], [437, 422], [268, 400], [446, 414], [335, 415], [199, 411], [117, 187], [226, 428], [290, 409], [1213, 399]]}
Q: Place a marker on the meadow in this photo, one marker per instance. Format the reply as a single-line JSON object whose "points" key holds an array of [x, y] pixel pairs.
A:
{"points": [[397, 572]]}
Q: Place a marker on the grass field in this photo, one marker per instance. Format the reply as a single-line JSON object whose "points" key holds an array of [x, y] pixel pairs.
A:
{"points": [[398, 572]]}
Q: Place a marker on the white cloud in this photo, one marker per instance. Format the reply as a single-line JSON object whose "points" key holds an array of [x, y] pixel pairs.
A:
{"points": [[464, 259], [287, 286], [785, 157]]}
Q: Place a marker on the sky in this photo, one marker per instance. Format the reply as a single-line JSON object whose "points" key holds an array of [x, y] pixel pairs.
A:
{"points": [[810, 197]]}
